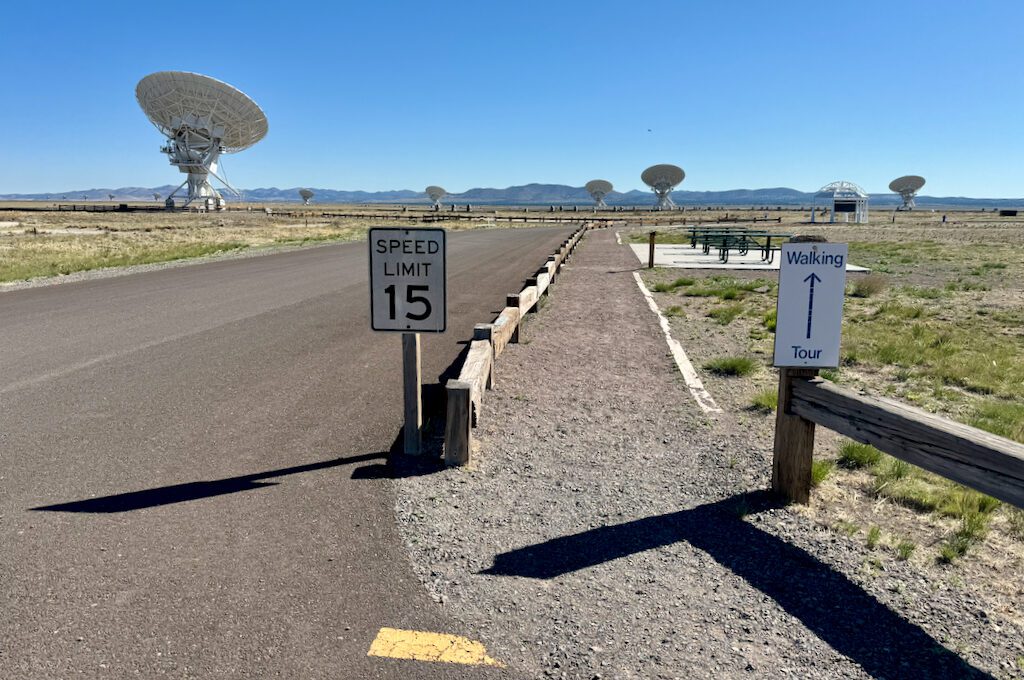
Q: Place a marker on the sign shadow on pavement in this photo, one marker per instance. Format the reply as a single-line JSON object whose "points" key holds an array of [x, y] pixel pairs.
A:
{"points": [[192, 491]]}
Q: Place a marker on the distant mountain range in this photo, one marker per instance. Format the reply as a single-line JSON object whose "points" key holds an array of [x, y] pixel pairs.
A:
{"points": [[529, 194]]}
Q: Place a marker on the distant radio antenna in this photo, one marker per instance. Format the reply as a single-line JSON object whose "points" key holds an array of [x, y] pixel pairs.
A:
{"points": [[436, 194], [663, 179], [156, 197], [110, 196], [907, 187], [306, 194], [598, 189], [202, 118]]}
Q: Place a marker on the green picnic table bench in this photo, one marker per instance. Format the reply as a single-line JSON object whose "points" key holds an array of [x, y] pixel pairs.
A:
{"points": [[740, 240]]}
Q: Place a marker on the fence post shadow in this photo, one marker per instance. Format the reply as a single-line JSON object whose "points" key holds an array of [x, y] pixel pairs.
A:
{"points": [[833, 607]]}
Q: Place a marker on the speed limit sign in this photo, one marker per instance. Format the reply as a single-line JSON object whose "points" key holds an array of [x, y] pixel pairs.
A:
{"points": [[408, 280]]}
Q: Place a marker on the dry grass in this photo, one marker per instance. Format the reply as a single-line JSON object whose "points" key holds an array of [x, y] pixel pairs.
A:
{"points": [[946, 333], [35, 243]]}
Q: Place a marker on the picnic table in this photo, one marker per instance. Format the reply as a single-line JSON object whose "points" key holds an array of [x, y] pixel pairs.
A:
{"points": [[740, 239]]}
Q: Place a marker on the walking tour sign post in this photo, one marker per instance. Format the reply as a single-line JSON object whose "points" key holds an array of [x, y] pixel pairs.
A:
{"points": [[409, 295], [808, 325]]}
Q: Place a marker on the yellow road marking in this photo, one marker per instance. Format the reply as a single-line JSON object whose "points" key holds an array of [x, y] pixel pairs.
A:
{"points": [[422, 646]]}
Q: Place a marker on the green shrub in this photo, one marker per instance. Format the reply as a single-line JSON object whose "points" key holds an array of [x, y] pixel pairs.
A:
{"points": [[726, 313], [856, 455], [893, 469], [924, 292], [671, 286], [973, 528], [729, 293], [961, 502], [820, 469], [766, 400], [868, 286], [675, 310], [896, 310], [769, 320], [904, 549], [874, 535], [731, 366]]}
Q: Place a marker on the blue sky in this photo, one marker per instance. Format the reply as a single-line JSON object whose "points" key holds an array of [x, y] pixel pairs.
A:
{"points": [[398, 95]]}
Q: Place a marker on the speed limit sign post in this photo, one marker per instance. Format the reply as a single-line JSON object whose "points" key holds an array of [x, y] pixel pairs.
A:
{"points": [[409, 295]]}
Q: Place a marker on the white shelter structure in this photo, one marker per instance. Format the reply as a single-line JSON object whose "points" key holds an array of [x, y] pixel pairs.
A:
{"points": [[847, 198]]}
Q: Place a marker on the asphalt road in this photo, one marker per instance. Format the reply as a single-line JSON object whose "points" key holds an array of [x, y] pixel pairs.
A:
{"points": [[192, 466]]}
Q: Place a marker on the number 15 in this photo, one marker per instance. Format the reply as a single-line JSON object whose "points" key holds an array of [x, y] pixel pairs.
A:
{"points": [[410, 299]]}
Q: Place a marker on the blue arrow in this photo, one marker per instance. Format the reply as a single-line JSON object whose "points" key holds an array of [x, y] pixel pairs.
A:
{"points": [[810, 301]]}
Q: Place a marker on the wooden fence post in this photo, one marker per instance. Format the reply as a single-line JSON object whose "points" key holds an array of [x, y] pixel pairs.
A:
{"points": [[512, 300], [650, 252], [532, 281], [457, 426], [794, 442], [485, 331]]}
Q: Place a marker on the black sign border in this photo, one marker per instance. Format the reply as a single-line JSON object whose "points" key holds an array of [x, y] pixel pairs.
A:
{"points": [[444, 275]]}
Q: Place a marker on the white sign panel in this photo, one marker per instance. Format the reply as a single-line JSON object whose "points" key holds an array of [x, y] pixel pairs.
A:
{"points": [[408, 280], [812, 284]]}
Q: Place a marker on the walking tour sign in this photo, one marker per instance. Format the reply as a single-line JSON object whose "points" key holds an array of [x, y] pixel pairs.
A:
{"points": [[812, 285]]}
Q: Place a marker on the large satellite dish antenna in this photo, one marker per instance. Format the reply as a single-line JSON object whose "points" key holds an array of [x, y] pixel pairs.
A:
{"points": [[156, 197], [598, 189], [907, 187], [663, 179], [306, 195], [436, 194], [202, 118]]}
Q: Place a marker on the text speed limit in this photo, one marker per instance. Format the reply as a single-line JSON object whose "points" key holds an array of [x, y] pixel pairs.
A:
{"points": [[408, 280]]}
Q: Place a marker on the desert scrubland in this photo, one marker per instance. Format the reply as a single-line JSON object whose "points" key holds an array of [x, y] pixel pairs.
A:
{"points": [[938, 323]]}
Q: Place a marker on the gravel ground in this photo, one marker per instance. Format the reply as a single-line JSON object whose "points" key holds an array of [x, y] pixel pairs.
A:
{"points": [[609, 528]]}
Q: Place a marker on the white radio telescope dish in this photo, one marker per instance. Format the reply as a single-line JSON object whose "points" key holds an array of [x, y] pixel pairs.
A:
{"points": [[598, 189], [202, 118], [907, 187], [663, 179], [435, 194], [306, 194]]}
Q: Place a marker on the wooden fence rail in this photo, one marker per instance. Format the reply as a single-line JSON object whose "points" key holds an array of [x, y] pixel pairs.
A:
{"points": [[972, 457], [465, 393]]}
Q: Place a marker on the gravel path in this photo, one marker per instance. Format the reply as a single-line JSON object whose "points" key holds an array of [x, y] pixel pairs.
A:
{"points": [[611, 529]]}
